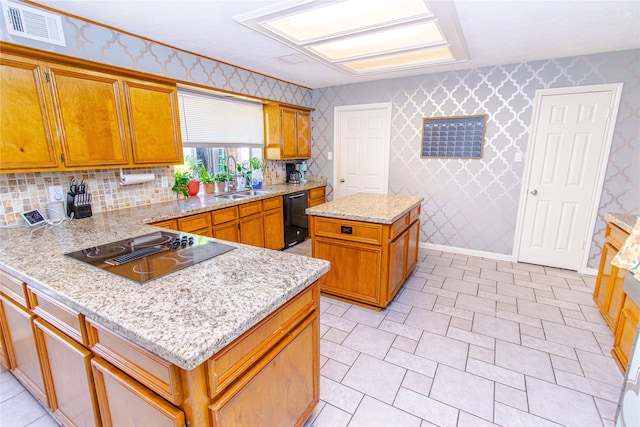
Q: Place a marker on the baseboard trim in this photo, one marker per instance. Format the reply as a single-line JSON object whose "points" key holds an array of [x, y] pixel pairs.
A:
{"points": [[590, 271], [464, 251]]}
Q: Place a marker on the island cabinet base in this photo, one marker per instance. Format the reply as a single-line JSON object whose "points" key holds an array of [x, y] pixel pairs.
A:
{"points": [[369, 261], [88, 375]]}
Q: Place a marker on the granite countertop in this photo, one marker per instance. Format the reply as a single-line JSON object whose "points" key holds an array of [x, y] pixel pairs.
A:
{"points": [[368, 207], [184, 317], [624, 221]]}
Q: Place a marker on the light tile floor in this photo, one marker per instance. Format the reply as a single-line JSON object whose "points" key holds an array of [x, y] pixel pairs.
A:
{"points": [[467, 341]]}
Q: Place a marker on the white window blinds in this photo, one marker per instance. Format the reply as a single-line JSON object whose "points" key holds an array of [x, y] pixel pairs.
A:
{"points": [[215, 121]]}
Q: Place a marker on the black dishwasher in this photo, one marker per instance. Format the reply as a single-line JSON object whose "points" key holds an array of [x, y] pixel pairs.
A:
{"points": [[296, 222]]}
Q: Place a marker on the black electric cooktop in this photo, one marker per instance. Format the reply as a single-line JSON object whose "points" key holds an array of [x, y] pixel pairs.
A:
{"points": [[151, 256]]}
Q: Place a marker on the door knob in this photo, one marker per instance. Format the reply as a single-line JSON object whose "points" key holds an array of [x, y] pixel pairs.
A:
{"points": [[342, 180], [534, 192]]}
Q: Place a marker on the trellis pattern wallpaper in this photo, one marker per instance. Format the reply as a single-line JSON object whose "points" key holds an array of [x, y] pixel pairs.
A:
{"points": [[473, 203]]}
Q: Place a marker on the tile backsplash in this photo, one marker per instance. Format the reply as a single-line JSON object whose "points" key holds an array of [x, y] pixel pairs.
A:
{"points": [[20, 192]]}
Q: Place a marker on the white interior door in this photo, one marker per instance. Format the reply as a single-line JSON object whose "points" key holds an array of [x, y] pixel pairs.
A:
{"points": [[567, 156], [362, 141]]}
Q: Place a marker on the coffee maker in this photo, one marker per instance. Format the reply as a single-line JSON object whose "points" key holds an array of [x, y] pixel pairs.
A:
{"points": [[293, 173]]}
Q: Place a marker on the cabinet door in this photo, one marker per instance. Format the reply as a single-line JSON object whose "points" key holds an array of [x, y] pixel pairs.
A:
{"points": [[21, 347], [228, 231], [602, 281], [413, 246], [68, 371], [274, 229], [252, 231], [153, 123], [89, 117], [615, 297], [625, 333], [397, 263], [288, 127], [303, 133], [281, 390], [125, 402], [26, 136]]}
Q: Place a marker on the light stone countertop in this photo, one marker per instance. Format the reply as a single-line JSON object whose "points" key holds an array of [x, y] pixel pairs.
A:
{"points": [[184, 317], [624, 221], [368, 207]]}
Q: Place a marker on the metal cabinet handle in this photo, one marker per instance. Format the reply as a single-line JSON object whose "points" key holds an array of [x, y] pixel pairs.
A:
{"points": [[342, 180], [534, 192]]}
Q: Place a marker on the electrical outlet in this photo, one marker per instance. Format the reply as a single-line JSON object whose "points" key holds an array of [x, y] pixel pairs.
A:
{"points": [[55, 193], [164, 182]]}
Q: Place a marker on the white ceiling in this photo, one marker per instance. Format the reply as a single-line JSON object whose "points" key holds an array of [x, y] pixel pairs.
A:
{"points": [[496, 32]]}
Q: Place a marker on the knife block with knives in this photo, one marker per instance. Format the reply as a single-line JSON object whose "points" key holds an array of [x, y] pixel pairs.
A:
{"points": [[78, 200]]}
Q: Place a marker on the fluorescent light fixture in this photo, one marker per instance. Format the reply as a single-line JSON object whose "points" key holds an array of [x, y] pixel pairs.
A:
{"points": [[365, 36], [387, 40], [345, 17], [402, 60]]}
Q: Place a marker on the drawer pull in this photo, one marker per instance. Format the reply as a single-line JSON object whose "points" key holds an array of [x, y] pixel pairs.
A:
{"points": [[346, 230]]}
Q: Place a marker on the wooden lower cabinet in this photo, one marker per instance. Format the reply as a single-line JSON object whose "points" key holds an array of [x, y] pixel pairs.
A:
{"points": [[23, 353], [273, 219], [317, 196], [252, 230], [369, 261], [67, 368], [125, 402]]}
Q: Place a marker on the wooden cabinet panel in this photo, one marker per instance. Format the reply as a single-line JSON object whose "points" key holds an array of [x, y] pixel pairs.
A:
{"points": [[14, 289], [625, 333], [413, 246], [303, 134], [4, 357], [356, 231], [273, 218], [615, 297], [125, 402], [616, 235], [89, 117], [21, 347], [281, 390], [397, 264], [229, 231], [317, 196], [252, 230], [602, 281], [67, 367], [250, 208], [153, 122], [287, 132], [26, 134], [220, 216], [67, 320], [152, 371], [355, 269], [170, 224], [289, 137], [194, 222]]}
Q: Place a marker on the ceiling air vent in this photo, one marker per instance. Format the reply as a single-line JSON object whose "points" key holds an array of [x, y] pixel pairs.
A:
{"points": [[33, 23]]}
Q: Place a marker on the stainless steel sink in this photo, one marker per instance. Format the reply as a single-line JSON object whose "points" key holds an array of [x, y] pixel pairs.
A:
{"points": [[254, 192], [242, 194]]}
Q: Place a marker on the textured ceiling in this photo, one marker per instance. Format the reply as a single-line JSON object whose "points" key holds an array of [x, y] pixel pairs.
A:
{"points": [[496, 32]]}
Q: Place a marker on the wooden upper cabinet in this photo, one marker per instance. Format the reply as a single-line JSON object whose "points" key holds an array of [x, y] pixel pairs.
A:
{"points": [[26, 134], [89, 117], [287, 132], [153, 122]]}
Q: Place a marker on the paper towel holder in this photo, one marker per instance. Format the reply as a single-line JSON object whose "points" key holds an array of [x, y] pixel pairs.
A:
{"points": [[140, 178]]}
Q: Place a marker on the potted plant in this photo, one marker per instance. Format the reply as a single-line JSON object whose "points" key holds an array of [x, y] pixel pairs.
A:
{"points": [[220, 179], [206, 179], [192, 164], [180, 183], [257, 170]]}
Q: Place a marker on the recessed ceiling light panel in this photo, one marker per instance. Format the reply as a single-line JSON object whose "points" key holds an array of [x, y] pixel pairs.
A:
{"points": [[402, 60]]}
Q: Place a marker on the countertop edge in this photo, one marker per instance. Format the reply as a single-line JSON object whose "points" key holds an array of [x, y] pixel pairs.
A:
{"points": [[363, 218], [625, 221]]}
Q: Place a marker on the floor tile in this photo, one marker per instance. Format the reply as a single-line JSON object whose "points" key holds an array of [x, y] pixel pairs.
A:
{"points": [[44, 421], [400, 329], [20, 410], [461, 286], [524, 360], [338, 352], [549, 347], [330, 416], [599, 368], [606, 409], [9, 386], [338, 395], [417, 299], [516, 291], [508, 416], [373, 413], [498, 276], [589, 386], [405, 344], [428, 321], [562, 405], [475, 304], [382, 387], [482, 354], [496, 373], [512, 397], [570, 336], [337, 322], [368, 340], [334, 335], [412, 362], [426, 408], [364, 315], [471, 338], [454, 273], [465, 391], [496, 328], [443, 350], [567, 365], [417, 382], [539, 311], [334, 370], [468, 420]]}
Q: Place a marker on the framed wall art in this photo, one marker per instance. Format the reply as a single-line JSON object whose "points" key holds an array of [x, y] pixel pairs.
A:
{"points": [[456, 136]]}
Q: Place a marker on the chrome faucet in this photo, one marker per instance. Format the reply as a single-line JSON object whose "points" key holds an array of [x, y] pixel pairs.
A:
{"points": [[232, 185]]}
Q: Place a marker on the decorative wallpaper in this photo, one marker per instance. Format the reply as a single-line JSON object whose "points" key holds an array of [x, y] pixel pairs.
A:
{"points": [[473, 203]]}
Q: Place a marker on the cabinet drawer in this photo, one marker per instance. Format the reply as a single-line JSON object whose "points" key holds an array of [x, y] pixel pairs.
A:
{"points": [[316, 193], [414, 214], [247, 209], [400, 225], [616, 235], [194, 222], [59, 315], [155, 373], [231, 362], [272, 203], [171, 224], [220, 216], [13, 288], [364, 232]]}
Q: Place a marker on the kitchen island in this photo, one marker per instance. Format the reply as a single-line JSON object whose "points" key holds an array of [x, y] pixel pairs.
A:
{"points": [[371, 241], [206, 345]]}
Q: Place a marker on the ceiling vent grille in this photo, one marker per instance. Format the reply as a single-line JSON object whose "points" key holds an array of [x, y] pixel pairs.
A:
{"points": [[33, 23]]}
